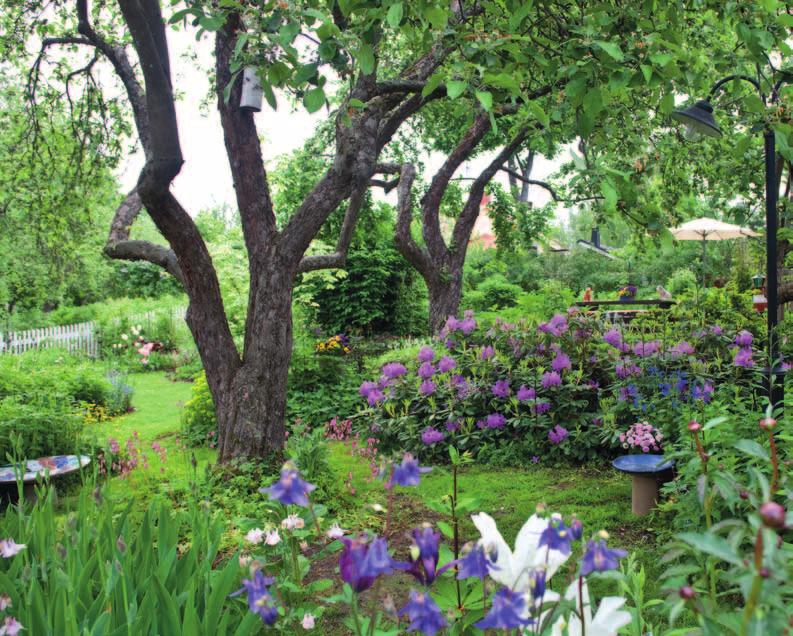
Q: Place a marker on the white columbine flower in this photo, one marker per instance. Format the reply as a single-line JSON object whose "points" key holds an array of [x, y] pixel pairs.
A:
{"points": [[335, 532], [255, 536], [514, 569], [607, 620], [272, 537], [308, 621], [293, 522], [9, 547]]}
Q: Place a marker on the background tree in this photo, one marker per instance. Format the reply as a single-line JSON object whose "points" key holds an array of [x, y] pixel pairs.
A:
{"points": [[388, 62]]}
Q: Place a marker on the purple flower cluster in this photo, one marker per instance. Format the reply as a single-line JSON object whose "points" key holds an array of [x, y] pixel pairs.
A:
{"points": [[682, 348], [561, 362], [646, 349], [557, 434], [550, 379], [541, 407], [466, 326], [556, 326], [486, 353], [446, 364], [431, 436], [614, 338], [501, 389], [525, 393], [426, 370], [626, 370]]}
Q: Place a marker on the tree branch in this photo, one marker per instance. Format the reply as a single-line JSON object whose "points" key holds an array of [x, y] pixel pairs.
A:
{"points": [[416, 256], [339, 257], [465, 222], [242, 145]]}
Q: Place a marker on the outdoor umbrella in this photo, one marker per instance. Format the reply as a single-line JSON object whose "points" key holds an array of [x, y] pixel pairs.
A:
{"points": [[706, 229]]}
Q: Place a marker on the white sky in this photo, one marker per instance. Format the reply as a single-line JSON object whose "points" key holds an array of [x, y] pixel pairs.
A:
{"points": [[205, 178]]}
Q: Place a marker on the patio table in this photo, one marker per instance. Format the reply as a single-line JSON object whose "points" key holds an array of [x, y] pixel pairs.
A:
{"points": [[44, 468]]}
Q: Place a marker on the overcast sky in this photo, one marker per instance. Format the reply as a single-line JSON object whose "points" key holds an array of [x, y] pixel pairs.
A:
{"points": [[205, 179]]}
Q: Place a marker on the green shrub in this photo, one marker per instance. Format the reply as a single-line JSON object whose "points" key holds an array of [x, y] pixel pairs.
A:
{"points": [[495, 292], [198, 417], [682, 283], [308, 449], [44, 428]]}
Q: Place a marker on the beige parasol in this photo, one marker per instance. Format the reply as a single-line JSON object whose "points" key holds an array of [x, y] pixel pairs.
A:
{"points": [[705, 229]]}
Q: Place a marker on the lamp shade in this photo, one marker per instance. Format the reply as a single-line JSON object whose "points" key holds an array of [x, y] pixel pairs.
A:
{"points": [[698, 118]]}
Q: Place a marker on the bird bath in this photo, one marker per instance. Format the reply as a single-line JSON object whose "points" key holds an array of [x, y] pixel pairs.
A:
{"points": [[645, 470]]}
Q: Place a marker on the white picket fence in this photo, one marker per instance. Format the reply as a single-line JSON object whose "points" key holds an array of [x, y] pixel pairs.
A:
{"points": [[79, 337], [82, 337]]}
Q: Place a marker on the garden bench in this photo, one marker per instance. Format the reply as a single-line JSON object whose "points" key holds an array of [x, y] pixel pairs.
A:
{"points": [[646, 471], [42, 468], [626, 315]]}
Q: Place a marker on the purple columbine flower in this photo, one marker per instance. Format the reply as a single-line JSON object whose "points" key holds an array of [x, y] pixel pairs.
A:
{"points": [[446, 364], [550, 378], [424, 615], [366, 388], [426, 354], [290, 489], [393, 370], [557, 434], [350, 560], [486, 353], [431, 436], [525, 393], [501, 389], [426, 370], [408, 473], [743, 358], [427, 387], [743, 339], [561, 362], [424, 555], [475, 564], [556, 536], [260, 601], [576, 529], [377, 560], [506, 612], [537, 581], [542, 407], [599, 558], [496, 420]]}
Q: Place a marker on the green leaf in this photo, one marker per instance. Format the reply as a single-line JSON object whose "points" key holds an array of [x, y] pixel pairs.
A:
{"points": [[750, 447], [314, 99], [519, 14], [612, 48], [485, 99], [269, 95], [610, 196], [365, 57], [446, 529], [647, 71], [168, 614], [455, 88], [711, 544], [437, 17], [394, 15], [667, 103], [539, 113]]}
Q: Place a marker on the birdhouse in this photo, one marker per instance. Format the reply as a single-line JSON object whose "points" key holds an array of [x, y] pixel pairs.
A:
{"points": [[760, 303], [251, 99], [758, 280]]}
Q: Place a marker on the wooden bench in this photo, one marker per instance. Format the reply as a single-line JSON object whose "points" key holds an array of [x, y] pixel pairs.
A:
{"points": [[627, 314]]}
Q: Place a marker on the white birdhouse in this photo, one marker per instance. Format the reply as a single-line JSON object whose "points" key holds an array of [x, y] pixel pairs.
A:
{"points": [[251, 98]]}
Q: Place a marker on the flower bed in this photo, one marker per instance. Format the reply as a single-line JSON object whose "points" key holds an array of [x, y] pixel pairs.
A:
{"points": [[567, 387]]}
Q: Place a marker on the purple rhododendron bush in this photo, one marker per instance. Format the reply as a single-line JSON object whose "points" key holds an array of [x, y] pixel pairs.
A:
{"points": [[568, 388]]}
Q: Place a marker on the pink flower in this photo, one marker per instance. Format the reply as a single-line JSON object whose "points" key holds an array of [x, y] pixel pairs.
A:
{"points": [[335, 532], [10, 627], [308, 621], [9, 548], [272, 537], [255, 536], [5, 602]]}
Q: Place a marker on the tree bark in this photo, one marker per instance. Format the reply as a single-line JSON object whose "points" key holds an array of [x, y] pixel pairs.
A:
{"points": [[444, 298], [251, 407]]}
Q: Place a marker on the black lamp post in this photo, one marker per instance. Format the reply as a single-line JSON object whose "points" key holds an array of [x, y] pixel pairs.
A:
{"points": [[700, 122]]}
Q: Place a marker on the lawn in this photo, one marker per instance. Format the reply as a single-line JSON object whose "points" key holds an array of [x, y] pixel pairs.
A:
{"points": [[599, 496]]}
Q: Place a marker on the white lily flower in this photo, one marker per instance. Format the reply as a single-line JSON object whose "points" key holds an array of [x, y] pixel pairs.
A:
{"points": [[607, 620], [514, 569]]}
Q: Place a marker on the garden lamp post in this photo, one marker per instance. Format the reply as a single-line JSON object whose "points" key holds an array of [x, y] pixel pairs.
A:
{"points": [[699, 122]]}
